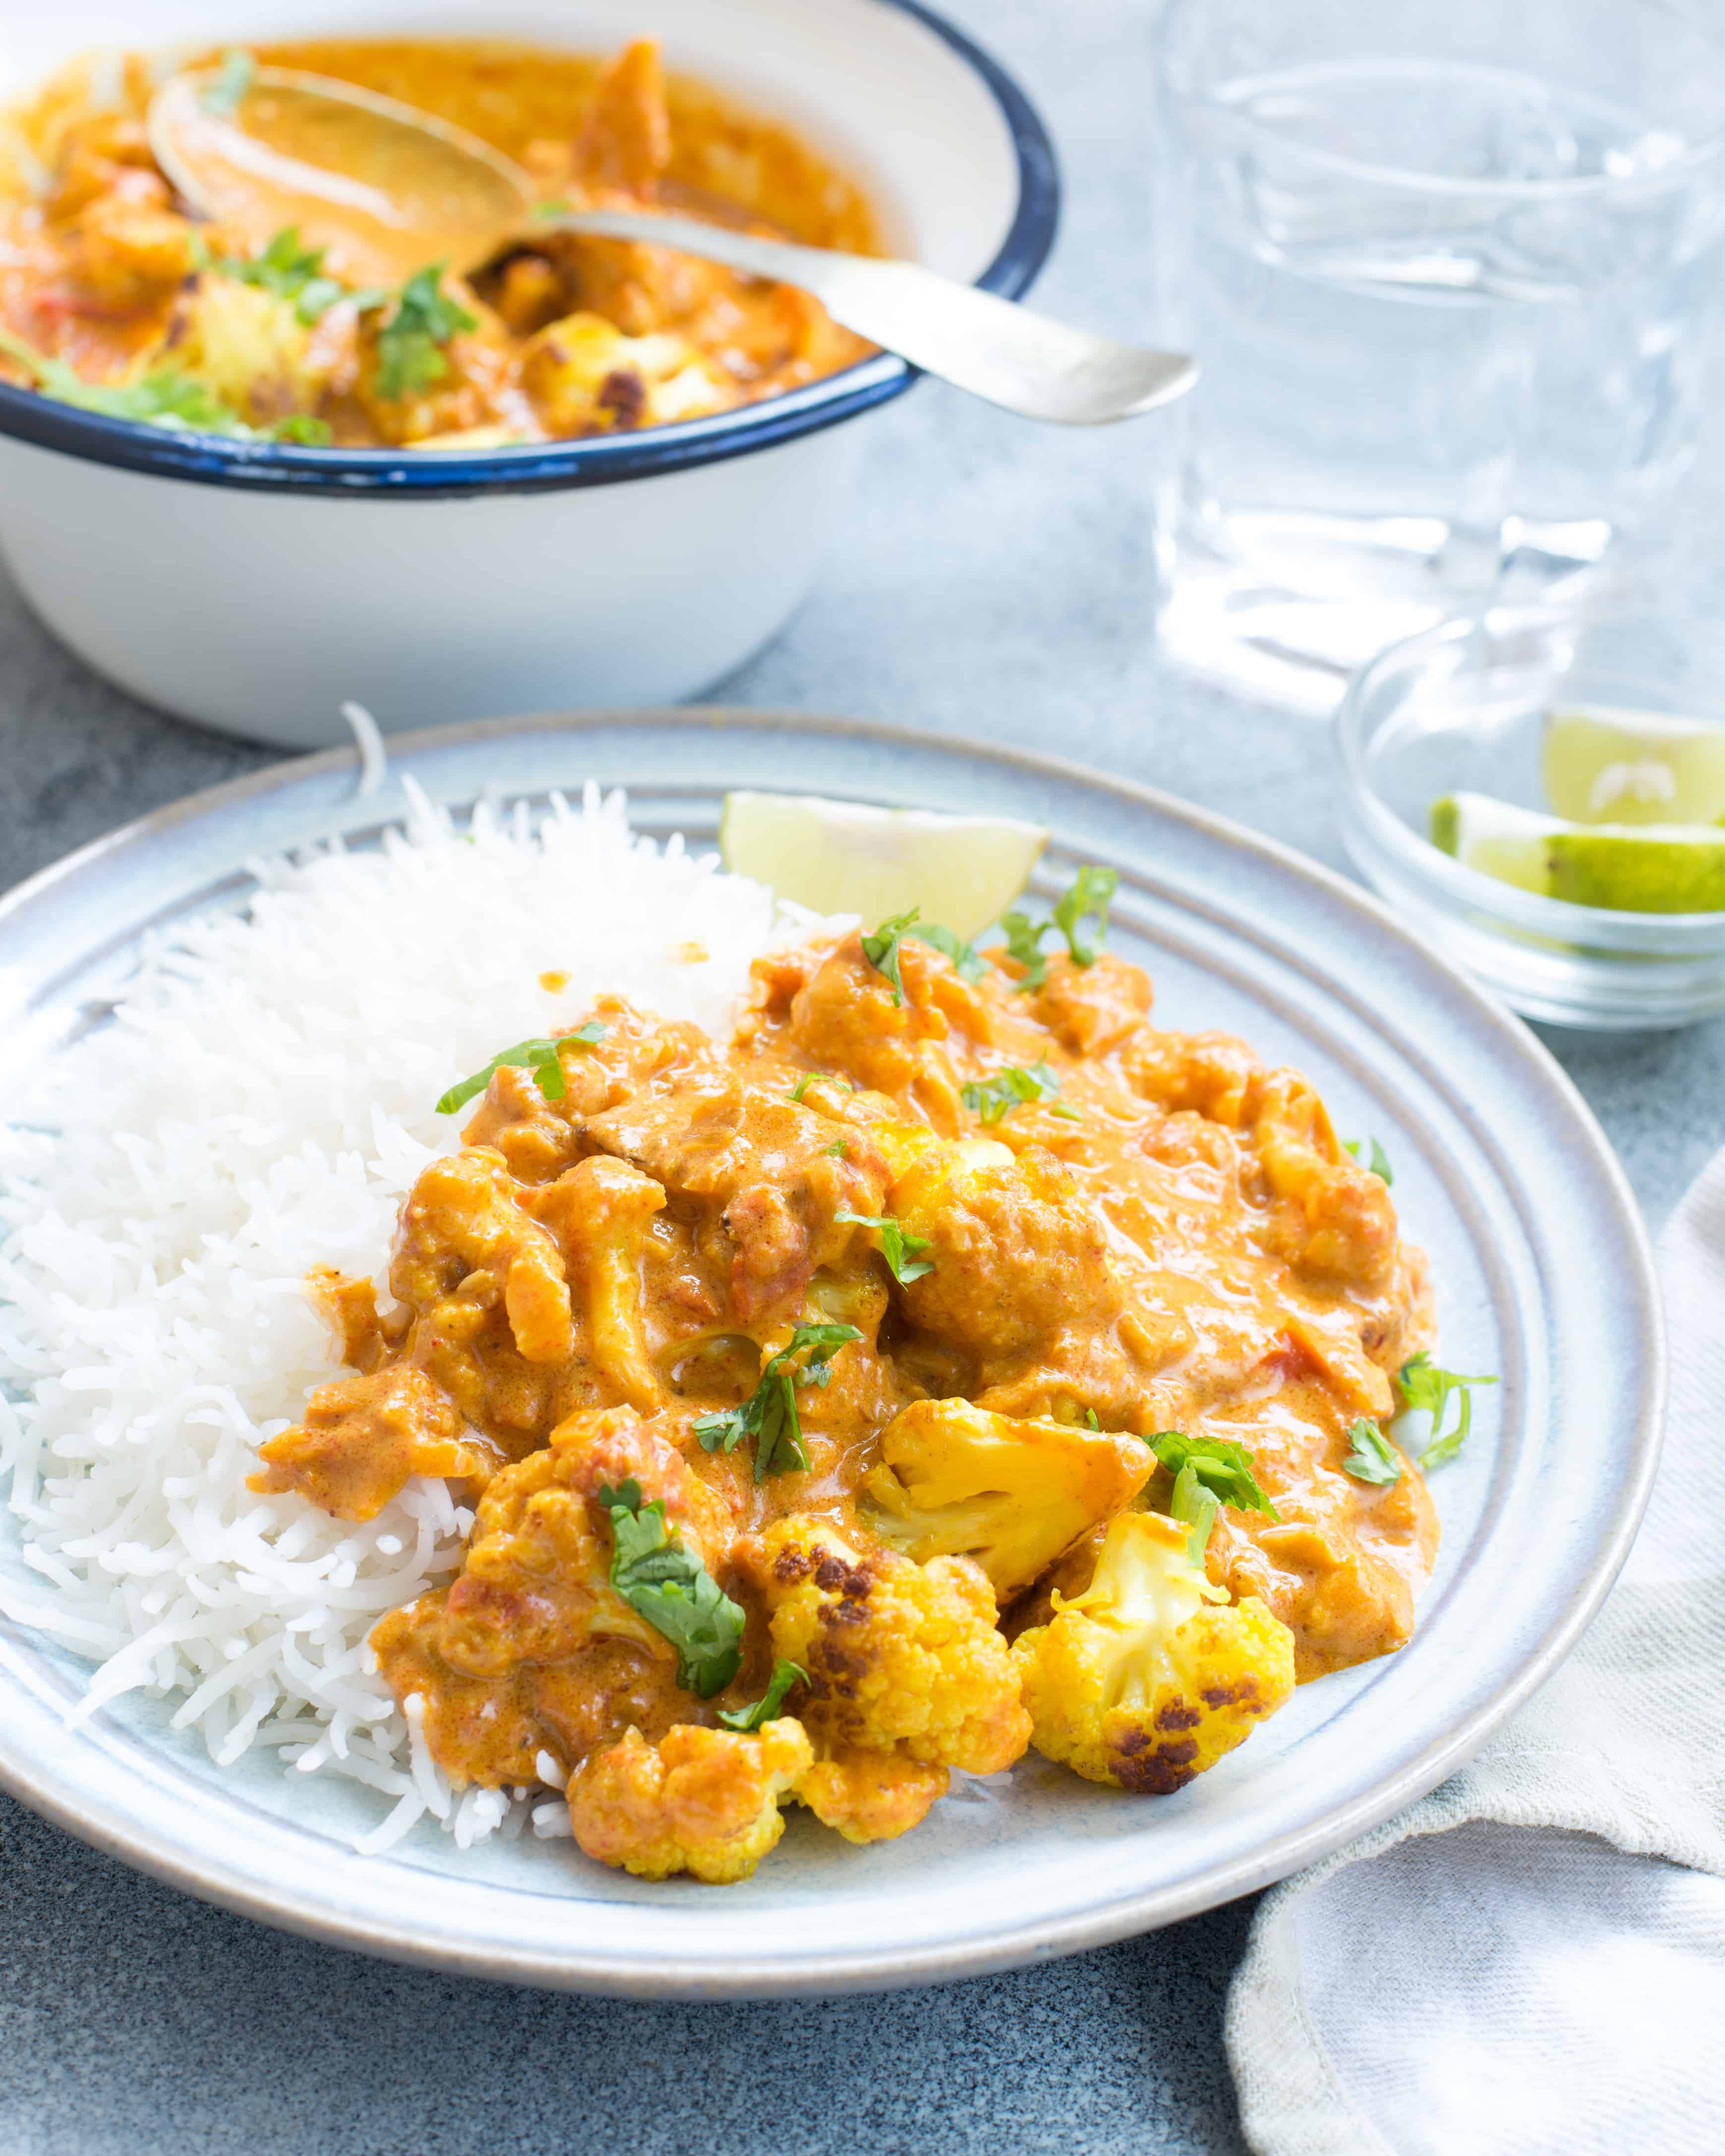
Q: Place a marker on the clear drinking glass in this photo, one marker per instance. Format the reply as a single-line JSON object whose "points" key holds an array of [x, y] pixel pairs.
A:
{"points": [[1446, 265]]}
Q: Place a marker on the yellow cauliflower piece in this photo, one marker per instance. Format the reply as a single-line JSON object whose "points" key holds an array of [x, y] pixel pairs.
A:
{"points": [[871, 1796], [900, 1657], [1150, 1676], [250, 347], [954, 1480], [585, 375], [703, 1801]]}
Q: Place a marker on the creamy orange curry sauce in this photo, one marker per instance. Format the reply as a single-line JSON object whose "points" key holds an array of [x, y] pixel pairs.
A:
{"points": [[1006, 1250], [104, 272]]}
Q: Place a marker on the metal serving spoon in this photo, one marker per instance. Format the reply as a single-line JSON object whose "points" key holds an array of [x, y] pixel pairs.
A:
{"points": [[384, 189]]}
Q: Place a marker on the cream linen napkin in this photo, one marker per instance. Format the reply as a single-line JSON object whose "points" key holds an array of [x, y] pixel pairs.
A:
{"points": [[1509, 1966]]}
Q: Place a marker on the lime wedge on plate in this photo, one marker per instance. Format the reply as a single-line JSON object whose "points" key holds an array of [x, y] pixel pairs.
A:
{"points": [[1609, 767], [1645, 868], [840, 857]]}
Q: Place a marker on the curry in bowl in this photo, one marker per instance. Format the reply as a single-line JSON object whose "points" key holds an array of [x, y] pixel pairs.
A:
{"points": [[112, 296]]}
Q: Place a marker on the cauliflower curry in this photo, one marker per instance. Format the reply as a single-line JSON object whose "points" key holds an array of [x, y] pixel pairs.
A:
{"points": [[952, 1362], [112, 297]]}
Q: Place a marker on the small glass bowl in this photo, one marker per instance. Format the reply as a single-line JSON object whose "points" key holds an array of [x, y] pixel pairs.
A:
{"points": [[1461, 707]]}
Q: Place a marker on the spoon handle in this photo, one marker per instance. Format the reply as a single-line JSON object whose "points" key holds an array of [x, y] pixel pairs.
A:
{"points": [[993, 347]]}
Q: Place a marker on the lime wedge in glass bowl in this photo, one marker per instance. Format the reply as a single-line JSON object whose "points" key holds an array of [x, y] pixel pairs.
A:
{"points": [[1603, 766], [844, 857], [1633, 868]]}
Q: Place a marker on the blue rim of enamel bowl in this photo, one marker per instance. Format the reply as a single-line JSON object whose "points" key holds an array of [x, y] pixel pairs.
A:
{"points": [[211, 460]]}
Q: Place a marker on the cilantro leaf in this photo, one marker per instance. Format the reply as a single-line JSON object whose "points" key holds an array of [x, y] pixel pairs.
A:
{"points": [[1371, 1457], [769, 1415], [1223, 1468], [290, 271], [748, 1719], [993, 1099], [1425, 1386], [302, 427], [969, 961], [1089, 1416], [1379, 1163], [538, 1056], [881, 950], [1195, 1507], [826, 1077], [410, 345], [1024, 942], [1088, 900], [837, 1150], [224, 96], [898, 1246], [673, 1591]]}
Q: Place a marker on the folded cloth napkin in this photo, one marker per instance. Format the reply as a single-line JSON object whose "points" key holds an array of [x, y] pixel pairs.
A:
{"points": [[1517, 1963]]}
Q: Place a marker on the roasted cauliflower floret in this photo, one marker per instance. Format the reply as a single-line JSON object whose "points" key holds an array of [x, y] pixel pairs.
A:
{"points": [[871, 1796], [536, 1584], [703, 1801], [900, 1657], [585, 376], [1017, 1253], [1150, 1676], [253, 350], [955, 1480]]}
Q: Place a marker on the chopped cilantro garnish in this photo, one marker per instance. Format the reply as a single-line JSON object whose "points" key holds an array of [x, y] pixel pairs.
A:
{"points": [[1089, 1416], [881, 949], [748, 1719], [291, 272], [410, 345], [1371, 1457], [1088, 900], [539, 1055], [835, 1151], [968, 962], [673, 1591], [993, 1099], [1379, 1164], [224, 95], [1024, 942], [769, 1415], [898, 1246], [1425, 1386], [1224, 1469], [826, 1077]]}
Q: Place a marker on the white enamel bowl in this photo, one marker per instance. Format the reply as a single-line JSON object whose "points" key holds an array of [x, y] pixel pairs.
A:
{"points": [[254, 588]]}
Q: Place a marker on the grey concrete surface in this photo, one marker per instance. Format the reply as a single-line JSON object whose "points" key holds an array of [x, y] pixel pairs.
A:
{"points": [[997, 581]]}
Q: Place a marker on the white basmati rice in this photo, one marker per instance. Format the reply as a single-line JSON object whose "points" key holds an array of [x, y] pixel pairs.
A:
{"points": [[260, 1104]]}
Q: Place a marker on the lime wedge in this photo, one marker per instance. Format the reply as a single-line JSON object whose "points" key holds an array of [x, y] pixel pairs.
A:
{"points": [[1611, 767], [840, 857], [1645, 867]]}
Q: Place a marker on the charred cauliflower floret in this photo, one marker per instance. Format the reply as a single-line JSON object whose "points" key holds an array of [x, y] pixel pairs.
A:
{"points": [[1149, 1676], [900, 1657], [585, 376], [703, 1801], [955, 1480]]}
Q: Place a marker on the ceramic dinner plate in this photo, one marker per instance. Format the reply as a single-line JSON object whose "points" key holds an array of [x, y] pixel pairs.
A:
{"points": [[1542, 1274]]}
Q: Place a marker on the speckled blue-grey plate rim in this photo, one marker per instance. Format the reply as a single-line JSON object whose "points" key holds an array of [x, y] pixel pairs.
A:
{"points": [[1499, 1163]]}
